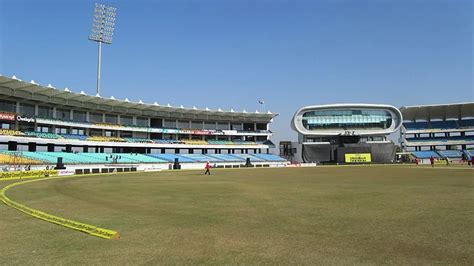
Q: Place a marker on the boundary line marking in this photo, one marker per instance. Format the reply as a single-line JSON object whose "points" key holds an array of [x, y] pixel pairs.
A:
{"points": [[86, 228]]}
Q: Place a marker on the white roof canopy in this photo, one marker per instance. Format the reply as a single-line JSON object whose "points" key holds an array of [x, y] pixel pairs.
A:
{"points": [[31, 91], [438, 111]]}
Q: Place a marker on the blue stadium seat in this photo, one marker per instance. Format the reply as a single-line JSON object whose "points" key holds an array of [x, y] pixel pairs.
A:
{"points": [[425, 154], [74, 136], [450, 124], [450, 154], [202, 158], [269, 157], [416, 125], [170, 157], [469, 153], [226, 157], [252, 158], [466, 123], [441, 139]]}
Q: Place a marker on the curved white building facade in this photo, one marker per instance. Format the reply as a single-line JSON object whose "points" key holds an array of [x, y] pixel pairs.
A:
{"points": [[326, 133], [347, 119]]}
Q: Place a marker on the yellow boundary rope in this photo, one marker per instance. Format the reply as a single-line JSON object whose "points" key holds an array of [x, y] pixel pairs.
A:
{"points": [[86, 228]]}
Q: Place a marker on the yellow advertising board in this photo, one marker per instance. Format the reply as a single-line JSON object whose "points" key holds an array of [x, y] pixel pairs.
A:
{"points": [[358, 158]]}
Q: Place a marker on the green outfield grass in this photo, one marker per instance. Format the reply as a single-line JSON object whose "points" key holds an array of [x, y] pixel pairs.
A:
{"points": [[325, 215]]}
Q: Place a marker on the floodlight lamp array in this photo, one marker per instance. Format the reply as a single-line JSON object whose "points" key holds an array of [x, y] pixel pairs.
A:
{"points": [[103, 24]]}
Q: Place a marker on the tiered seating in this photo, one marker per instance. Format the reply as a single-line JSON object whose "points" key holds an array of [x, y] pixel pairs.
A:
{"points": [[415, 125], [136, 157], [195, 142], [105, 139], [11, 158], [201, 158], [450, 154], [74, 136], [466, 123], [242, 142], [426, 139], [138, 140], [226, 157], [26, 157], [269, 157], [68, 158], [97, 157], [10, 132], [170, 157], [450, 124], [252, 158], [46, 135], [167, 141], [108, 124], [40, 156], [43, 135], [425, 154], [220, 142], [469, 153]]}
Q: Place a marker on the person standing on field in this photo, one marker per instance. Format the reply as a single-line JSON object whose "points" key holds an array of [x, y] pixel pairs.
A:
{"points": [[432, 161], [208, 168]]}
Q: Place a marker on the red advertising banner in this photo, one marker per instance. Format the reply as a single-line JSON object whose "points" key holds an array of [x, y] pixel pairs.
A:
{"points": [[7, 116]]}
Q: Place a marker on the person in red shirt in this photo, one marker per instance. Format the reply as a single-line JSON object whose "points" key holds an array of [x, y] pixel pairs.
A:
{"points": [[432, 161], [472, 161], [208, 168]]}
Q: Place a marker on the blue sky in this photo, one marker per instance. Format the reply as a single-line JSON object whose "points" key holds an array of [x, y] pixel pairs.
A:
{"points": [[229, 54]]}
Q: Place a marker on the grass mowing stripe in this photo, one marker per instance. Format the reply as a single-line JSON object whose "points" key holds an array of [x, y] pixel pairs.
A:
{"points": [[86, 228]]}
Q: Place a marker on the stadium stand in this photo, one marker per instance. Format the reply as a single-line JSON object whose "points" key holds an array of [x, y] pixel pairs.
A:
{"points": [[251, 156], [139, 140], [201, 158], [9, 132], [195, 142], [100, 130], [450, 124], [226, 157], [26, 157], [167, 141], [170, 157], [39, 156], [43, 135], [447, 128], [466, 123], [105, 139], [450, 154], [440, 139], [269, 157], [12, 158], [416, 125], [74, 136], [425, 154], [220, 142]]}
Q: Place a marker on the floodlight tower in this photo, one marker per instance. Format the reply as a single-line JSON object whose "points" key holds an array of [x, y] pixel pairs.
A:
{"points": [[102, 31]]}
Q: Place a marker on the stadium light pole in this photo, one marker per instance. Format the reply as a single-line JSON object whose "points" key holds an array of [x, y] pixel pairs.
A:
{"points": [[103, 24]]}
